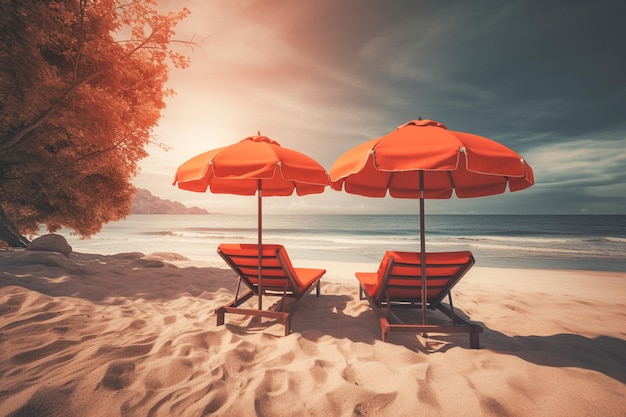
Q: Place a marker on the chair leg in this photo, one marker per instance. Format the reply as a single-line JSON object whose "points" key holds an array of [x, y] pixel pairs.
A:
{"points": [[221, 312], [384, 328], [452, 315], [287, 323], [474, 342]]}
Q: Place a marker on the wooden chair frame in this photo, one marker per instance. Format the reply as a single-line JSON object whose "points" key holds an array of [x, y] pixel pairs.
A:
{"points": [[276, 268], [384, 302]]}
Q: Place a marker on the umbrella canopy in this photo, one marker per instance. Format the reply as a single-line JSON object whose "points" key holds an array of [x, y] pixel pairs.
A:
{"points": [[238, 168], [423, 159], [254, 165], [448, 161]]}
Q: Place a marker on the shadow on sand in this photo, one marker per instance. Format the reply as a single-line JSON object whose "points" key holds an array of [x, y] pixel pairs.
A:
{"points": [[316, 317], [603, 354]]}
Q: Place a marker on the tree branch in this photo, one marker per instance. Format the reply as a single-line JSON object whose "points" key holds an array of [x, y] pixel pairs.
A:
{"points": [[20, 134]]}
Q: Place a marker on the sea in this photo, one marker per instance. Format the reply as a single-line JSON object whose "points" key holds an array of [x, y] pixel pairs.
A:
{"points": [[581, 242]]}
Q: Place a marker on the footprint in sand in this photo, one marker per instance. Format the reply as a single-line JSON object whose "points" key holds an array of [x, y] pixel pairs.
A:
{"points": [[118, 375], [275, 385], [319, 370], [426, 394]]}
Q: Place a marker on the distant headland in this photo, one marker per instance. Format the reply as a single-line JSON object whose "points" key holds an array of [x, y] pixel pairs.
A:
{"points": [[147, 203]]}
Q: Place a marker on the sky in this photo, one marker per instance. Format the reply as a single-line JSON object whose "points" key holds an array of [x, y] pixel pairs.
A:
{"points": [[545, 78]]}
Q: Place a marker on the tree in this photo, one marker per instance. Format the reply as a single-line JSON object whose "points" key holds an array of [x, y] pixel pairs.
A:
{"points": [[83, 84]]}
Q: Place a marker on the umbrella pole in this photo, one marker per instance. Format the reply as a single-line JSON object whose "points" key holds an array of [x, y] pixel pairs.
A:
{"points": [[260, 240], [423, 248]]}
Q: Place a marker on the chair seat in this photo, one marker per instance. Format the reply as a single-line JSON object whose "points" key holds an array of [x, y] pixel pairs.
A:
{"points": [[369, 282], [307, 276]]}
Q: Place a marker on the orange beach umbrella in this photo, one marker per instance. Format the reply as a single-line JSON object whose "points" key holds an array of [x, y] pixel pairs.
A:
{"points": [[255, 165], [423, 159]]}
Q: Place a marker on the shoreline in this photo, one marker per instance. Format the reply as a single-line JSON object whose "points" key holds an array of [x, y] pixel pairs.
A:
{"points": [[134, 334], [545, 242]]}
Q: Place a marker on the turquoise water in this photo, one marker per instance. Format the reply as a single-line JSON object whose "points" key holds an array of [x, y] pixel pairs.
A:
{"points": [[555, 242]]}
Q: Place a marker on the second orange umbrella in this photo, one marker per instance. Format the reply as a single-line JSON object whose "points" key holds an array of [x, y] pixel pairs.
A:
{"points": [[423, 159]]}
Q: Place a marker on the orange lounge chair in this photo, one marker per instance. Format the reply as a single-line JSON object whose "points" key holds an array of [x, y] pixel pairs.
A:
{"points": [[278, 278], [398, 284]]}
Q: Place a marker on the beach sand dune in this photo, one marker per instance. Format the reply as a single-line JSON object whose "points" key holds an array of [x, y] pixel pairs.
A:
{"points": [[135, 335]]}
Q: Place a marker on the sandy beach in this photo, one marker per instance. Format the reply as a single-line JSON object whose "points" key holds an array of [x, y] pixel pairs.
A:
{"points": [[136, 335]]}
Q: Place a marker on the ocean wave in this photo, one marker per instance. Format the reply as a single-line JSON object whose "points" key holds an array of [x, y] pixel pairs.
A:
{"points": [[202, 229], [492, 249], [540, 239], [159, 233], [605, 239], [529, 239]]}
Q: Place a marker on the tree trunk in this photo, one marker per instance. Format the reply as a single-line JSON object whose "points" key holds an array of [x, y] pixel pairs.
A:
{"points": [[9, 233]]}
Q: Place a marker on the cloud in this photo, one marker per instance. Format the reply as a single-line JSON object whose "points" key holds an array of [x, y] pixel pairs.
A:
{"points": [[582, 162], [322, 76]]}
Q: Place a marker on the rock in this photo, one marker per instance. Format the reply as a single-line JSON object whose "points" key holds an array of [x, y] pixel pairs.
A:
{"points": [[49, 259], [149, 263], [167, 256], [129, 255], [50, 243]]}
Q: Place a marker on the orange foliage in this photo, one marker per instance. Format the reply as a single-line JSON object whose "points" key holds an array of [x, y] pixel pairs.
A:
{"points": [[83, 84]]}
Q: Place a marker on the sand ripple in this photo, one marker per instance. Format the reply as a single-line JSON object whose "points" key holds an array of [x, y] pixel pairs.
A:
{"points": [[135, 335]]}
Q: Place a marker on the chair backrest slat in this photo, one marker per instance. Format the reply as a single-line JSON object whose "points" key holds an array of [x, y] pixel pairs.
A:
{"points": [[277, 272], [400, 275]]}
